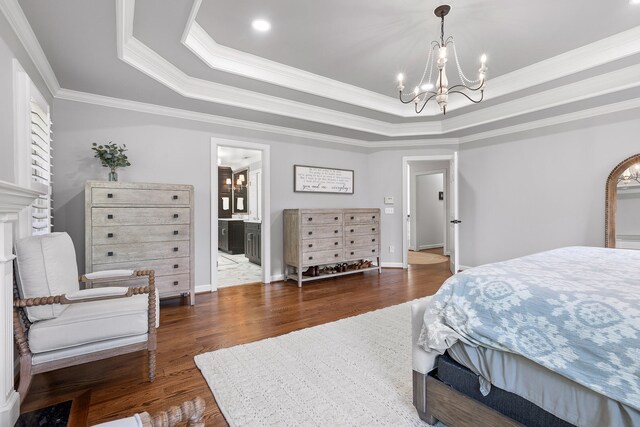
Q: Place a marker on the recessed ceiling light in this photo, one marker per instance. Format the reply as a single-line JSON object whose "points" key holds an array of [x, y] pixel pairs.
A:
{"points": [[261, 25], [634, 1]]}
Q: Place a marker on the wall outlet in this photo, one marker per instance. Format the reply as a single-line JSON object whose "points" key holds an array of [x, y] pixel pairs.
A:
{"points": [[388, 200], [392, 249], [388, 210]]}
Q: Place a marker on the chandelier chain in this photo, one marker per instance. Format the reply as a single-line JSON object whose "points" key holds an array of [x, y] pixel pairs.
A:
{"points": [[463, 78]]}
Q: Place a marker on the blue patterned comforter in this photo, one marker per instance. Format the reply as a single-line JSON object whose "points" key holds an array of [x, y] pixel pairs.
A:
{"points": [[575, 311]]}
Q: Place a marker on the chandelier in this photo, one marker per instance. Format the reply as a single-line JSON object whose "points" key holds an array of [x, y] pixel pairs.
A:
{"points": [[426, 91], [631, 174]]}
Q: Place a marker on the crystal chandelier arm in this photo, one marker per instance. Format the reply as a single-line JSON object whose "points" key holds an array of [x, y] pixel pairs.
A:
{"points": [[480, 87], [417, 96]]}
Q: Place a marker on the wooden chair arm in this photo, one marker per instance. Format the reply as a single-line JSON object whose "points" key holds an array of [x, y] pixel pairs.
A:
{"points": [[62, 299], [191, 411]]}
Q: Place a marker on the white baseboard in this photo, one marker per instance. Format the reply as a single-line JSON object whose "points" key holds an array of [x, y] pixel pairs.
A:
{"points": [[463, 267], [437, 245], [203, 288], [391, 265], [277, 278], [10, 410]]}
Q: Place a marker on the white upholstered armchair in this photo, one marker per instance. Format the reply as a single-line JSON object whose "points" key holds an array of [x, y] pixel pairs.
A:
{"points": [[58, 325]]}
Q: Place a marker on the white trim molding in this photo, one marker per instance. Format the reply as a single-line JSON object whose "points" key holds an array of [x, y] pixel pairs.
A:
{"points": [[391, 264], [20, 25], [13, 200]]}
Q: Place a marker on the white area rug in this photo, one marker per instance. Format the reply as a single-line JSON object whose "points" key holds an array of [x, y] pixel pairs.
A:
{"points": [[355, 372]]}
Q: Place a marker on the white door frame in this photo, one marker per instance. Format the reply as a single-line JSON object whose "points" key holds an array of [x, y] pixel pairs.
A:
{"points": [[405, 189], [445, 206], [265, 241]]}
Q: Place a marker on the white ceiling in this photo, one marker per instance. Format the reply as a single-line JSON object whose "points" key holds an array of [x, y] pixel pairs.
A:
{"points": [[367, 43], [327, 69]]}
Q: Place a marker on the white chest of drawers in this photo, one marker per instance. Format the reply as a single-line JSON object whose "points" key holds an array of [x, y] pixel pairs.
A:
{"points": [[142, 226], [321, 237]]}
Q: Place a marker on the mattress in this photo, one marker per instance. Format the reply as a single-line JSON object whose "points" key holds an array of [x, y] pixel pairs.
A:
{"points": [[548, 390]]}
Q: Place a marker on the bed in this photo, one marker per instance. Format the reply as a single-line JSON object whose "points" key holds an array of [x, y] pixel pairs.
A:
{"points": [[551, 339]]}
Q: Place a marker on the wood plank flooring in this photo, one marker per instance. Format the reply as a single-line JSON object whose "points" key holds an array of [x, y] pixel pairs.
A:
{"points": [[117, 387]]}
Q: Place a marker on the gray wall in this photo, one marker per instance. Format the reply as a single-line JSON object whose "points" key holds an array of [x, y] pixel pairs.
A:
{"points": [[177, 151], [429, 211], [11, 48], [532, 192]]}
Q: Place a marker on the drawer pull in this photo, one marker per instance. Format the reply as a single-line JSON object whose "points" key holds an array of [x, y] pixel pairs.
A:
{"points": [[175, 249], [109, 235], [175, 197], [335, 243], [310, 245], [373, 240], [109, 216], [110, 196], [352, 253], [351, 231], [310, 257], [175, 266], [175, 283], [353, 217], [335, 218], [175, 232], [352, 242], [336, 255], [176, 215], [109, 253], [310, 233], [373, 250], [335, 231], [373, 229], [373, 217], [310, 219]]}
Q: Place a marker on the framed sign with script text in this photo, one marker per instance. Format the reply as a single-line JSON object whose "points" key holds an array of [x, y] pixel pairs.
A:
{"points": [[313, 179]]}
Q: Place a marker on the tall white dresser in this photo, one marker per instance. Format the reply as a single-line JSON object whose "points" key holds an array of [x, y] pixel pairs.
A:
{"points": [[142, 226]]}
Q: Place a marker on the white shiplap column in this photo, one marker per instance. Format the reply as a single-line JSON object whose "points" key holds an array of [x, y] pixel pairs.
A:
{"points": [[13, 200]]}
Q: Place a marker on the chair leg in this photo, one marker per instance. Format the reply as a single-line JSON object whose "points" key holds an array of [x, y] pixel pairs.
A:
{"points": [[152, 365], [25, 377]]}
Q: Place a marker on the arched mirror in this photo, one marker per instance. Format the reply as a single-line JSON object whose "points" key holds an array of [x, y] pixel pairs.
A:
{"points": [[622, 219]]}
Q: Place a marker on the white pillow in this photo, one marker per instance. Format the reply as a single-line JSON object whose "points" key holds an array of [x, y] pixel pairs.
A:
{"points": [[45, 266]]}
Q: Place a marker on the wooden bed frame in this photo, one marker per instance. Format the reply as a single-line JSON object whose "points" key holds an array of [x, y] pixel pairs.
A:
{"points": [[435, 401]]}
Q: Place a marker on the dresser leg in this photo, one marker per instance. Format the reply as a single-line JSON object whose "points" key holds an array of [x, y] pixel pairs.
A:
{"points": [[379, 266], [299, 277]]}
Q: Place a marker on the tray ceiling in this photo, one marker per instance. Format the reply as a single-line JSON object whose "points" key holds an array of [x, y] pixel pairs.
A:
{"points": [[328, 68]]}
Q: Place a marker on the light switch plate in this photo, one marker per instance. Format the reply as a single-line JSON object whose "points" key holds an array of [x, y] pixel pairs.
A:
{"points": [[388, 200], [388, 210]]}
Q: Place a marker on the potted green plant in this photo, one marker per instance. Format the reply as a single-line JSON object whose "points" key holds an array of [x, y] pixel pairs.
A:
{"points": [[111, 156]]}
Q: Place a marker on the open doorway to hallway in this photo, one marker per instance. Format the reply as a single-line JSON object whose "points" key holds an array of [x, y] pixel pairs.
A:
{"points": [[430, 209], [428, 215]]}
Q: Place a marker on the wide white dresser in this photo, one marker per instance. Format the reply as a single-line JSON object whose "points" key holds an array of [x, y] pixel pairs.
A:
{"points": [[326, 237], [142, 226]]}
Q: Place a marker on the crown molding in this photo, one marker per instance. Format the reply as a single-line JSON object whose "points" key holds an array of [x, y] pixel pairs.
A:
{"points": [[603, 84], [231, 60], [141, 107], [140, 56], [589, 113], [21, 27]]}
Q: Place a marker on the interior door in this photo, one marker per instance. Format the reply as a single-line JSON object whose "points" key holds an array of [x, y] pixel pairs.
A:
{"points": [[454, 220]]}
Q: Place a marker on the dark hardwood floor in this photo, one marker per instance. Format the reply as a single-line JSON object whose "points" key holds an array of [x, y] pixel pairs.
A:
{"points": [[117, 387]]}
